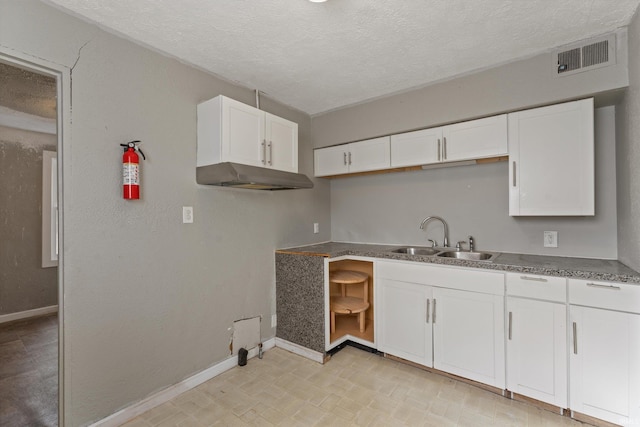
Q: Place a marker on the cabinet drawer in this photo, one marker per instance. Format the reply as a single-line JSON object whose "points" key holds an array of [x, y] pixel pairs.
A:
{"points": [[443, 276], [538, 287], [610, 295]]}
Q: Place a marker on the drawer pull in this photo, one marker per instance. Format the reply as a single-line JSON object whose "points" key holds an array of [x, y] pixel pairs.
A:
{"points": [[510, 323], [596, 285], [534, 279], [575, 338]]}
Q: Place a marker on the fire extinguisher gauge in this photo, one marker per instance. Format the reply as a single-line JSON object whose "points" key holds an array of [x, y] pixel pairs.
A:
{"points": [[134, 145]]}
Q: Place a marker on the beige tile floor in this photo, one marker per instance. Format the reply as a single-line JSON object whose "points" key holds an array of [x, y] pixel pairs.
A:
{"points": [[355, 388]]}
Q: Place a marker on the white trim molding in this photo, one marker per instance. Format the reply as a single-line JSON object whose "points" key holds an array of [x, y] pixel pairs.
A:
{"points": [[163, 396], [299, 350], [36, 312]]}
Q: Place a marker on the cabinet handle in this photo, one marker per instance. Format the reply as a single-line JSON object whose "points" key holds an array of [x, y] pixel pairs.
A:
{"points": [[349, 157], [596, 285], [575, 338], [439, 155], [513, 173], [534, 279], [510, 323], [444, 148], [344, 157], [433, 319], [270, 153], [428, 301], [264, 151]]}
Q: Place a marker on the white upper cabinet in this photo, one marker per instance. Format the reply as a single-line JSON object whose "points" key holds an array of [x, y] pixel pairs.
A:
{"points": [[362, 156], [421, 147], [475, 139], [281, 137], [551, 160], [230, 131]]}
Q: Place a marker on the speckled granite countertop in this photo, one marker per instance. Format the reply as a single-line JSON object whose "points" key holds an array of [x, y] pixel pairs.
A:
{"points": [[579, 268]]}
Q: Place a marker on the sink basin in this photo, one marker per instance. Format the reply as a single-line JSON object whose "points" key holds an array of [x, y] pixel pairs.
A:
{"points": [[469, 256], [416, 251]]}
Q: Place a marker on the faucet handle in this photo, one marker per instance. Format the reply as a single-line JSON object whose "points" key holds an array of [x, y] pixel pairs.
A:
{"points": [[459, 245], [433, 243]]}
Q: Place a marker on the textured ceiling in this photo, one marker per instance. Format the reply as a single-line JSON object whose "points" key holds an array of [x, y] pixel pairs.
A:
{"points": [[322, 56]]}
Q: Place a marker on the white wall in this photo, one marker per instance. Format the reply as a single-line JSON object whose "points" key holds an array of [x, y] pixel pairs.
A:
{"points": [[474, 200], [148, 300], [628, 128]]}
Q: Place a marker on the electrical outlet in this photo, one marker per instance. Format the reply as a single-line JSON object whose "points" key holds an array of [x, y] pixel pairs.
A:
{"points": [[187, 214], [316, 228], [274, 320], [550, 239]]}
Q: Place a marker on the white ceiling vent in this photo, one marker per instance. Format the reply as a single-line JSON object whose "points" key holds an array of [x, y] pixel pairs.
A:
{"points": [[585, 55]]}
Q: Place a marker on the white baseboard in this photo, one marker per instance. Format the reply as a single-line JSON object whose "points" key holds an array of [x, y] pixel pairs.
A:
{"points": [[28, 313], [163, 396], [299, 350]]}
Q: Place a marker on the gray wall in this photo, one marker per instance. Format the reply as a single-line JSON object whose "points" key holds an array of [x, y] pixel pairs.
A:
{"points": [[628, 156], [24, 284], [149, 300], [474, 200], [513, 86]]}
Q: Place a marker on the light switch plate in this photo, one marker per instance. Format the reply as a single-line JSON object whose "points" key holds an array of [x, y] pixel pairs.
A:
{"points": [[550, 239], [274, 320], [316, 228]]}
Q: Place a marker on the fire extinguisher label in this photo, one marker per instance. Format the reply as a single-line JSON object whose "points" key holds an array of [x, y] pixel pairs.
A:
{"points": [[130, 174]]}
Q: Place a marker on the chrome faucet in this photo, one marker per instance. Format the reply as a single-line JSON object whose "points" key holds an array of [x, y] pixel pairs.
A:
{"points": [[444, 224]]}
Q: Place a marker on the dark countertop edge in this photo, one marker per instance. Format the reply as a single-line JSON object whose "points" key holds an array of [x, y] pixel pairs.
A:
{"points": [[632, 277]]}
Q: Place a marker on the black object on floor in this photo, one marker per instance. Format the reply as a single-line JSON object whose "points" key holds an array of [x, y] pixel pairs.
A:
{"points": [[242, 356]]}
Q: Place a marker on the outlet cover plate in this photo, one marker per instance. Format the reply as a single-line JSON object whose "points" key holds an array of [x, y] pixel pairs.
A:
{"points": [[550, 239]]}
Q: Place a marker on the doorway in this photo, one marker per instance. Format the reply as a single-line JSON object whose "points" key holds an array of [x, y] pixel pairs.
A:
{"points": [[29, 273]]}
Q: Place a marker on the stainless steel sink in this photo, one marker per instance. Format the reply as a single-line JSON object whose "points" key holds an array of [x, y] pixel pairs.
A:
{"points": [[469, 256], [416, 251]]}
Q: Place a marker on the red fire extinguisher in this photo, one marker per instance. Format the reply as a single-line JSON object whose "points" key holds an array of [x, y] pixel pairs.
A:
{"points": [[131, 170]]}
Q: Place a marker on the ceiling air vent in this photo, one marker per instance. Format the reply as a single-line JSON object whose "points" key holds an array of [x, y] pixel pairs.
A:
{"points": [[585, 55]]}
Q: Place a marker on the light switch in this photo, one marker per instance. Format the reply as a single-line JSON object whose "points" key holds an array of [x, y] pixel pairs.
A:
{"points": [[316, 228], [187, 214], [550, 239]]}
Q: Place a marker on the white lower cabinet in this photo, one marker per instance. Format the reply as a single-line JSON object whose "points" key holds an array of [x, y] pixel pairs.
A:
{"points": [[605, 351], [468, 335], [537, 337], [537, 350], [405, 317], [454, 330]]}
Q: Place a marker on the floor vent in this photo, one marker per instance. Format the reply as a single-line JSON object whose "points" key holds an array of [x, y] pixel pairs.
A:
{"points": [[585, 55]]}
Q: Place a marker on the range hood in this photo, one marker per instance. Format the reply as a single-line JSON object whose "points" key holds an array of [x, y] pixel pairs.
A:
{"points": [[251, 177]]}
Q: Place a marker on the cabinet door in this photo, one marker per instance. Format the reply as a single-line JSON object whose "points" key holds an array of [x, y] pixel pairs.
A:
{"points": [[416, 148], [551, 155], [605, 364], [468, 335], [537, 350], [372, 154], [331, 161], [282, 143], [475, 139], [242, 133], [404, 320]]}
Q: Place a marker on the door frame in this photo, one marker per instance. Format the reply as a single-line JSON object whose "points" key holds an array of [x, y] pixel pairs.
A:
{"points": [[62, 75]]}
